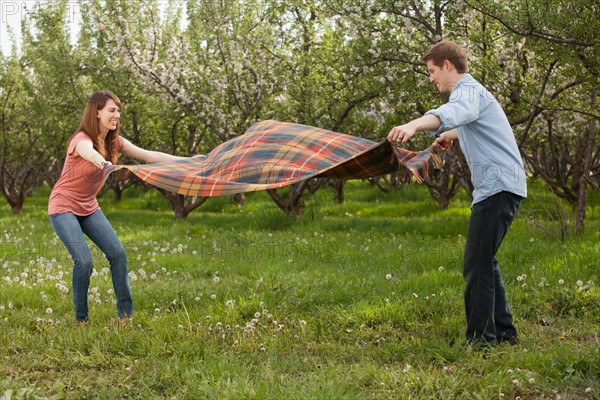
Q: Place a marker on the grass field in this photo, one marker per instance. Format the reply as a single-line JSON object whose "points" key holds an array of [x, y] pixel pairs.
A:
{"points": [[361, 300]]}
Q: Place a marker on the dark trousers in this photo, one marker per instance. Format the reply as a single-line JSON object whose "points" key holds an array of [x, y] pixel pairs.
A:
{"points": [[488, 313]]}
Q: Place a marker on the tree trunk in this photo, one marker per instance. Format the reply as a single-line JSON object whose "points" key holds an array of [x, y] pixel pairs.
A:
{"points": [[17, 209], [391, 182], [182, 205], [445, 182], [118, 195], [293, 205], [118, 181], [337, 185], [338, 190], [585, 172], [315, 184], [239, 199]]}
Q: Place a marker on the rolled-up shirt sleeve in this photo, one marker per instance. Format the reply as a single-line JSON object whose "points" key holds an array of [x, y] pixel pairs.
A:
{"points": [[462, 108]]}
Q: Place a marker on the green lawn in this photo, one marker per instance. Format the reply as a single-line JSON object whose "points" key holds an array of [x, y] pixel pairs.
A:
{"points": [[352, 301]]}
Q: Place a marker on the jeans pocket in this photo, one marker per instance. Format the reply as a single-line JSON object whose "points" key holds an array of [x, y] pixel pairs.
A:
{"points": [[509, 206]]}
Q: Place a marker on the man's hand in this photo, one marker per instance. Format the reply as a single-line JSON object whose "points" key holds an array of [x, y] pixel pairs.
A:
{"points": [[404, 132], [401, 133], [445, 140]]}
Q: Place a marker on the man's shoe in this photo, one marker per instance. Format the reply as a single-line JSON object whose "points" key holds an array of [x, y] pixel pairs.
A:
{"points": [[511, 340]]}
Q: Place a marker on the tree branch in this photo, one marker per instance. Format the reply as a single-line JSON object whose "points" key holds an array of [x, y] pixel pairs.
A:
{"points": [[532, 32]]}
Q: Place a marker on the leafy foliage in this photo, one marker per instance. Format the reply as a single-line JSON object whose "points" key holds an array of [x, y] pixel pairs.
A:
{"points": [[194, 74]]}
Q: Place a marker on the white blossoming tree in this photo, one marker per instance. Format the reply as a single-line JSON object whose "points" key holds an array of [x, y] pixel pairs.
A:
{"points": [[40, 87], [558, 101], [396, 35], [22, 159], [207, 70], [192, 74]]}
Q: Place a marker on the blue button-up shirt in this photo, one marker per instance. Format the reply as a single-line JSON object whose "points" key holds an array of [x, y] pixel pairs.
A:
{"points": [[486, 139]]}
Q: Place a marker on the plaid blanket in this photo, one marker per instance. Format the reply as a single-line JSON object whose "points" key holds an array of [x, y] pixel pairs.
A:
{"points": [[272, 154]]}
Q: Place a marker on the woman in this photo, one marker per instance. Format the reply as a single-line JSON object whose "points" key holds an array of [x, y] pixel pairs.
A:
{"points": [[73, 207]]}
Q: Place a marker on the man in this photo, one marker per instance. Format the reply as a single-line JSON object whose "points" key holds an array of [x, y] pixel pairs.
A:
{"points": [[474, 118]]}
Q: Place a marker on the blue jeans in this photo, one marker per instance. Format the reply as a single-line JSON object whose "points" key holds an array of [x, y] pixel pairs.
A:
{"points": [[488, 313], [70, 228]]}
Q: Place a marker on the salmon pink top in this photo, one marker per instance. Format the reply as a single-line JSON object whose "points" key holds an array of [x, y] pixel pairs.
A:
{"points": [[79, 182]]}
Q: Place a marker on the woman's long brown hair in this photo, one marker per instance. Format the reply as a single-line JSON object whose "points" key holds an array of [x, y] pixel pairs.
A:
{"points": [[90, 124]]}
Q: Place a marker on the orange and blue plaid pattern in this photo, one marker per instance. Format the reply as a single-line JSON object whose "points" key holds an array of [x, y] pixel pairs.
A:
{"points": [[272, 154]]}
